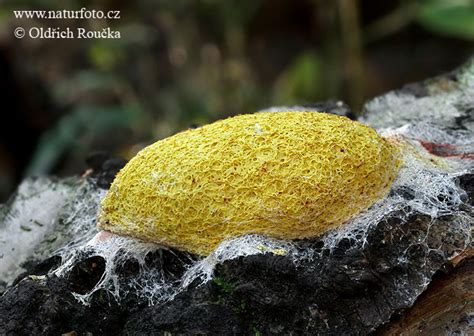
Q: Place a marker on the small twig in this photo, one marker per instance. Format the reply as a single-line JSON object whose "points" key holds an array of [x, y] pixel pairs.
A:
{"points": [[352, 46], [393, 22]]}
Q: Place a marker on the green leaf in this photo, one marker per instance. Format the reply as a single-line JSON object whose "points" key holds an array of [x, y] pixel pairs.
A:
{"points": [[85, 120], [301, 81], [105, 55], [454, 18]]}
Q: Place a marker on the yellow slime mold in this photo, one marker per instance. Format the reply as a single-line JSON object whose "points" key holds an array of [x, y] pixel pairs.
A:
{"points": [[286, 175]]}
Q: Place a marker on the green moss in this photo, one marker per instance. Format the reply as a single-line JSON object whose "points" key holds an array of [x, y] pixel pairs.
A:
{"points": [[242, 307], [256, 331], [224, 286]]}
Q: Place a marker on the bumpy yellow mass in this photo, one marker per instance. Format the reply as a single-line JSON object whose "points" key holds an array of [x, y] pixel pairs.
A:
{"points": [[286, 175]]}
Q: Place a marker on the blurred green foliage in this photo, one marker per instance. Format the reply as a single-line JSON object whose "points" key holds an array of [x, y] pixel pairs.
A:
{"points": [[73, 133], [301, 79], [185, 62], [454, 17]]}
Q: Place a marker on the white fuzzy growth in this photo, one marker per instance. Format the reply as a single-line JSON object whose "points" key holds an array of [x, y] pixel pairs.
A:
{"points": [[115, 250], [31, 216], [446, 100]]}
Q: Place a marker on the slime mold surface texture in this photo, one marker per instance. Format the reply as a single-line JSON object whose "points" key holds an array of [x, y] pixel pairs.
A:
{"points": [[286, 175]]}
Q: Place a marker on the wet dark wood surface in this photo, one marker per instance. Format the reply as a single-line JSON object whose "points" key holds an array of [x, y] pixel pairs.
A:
{"points": [[445, 308]]}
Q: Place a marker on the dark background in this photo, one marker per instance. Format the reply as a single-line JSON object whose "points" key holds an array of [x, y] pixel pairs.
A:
{"points": [[183, 63]]}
